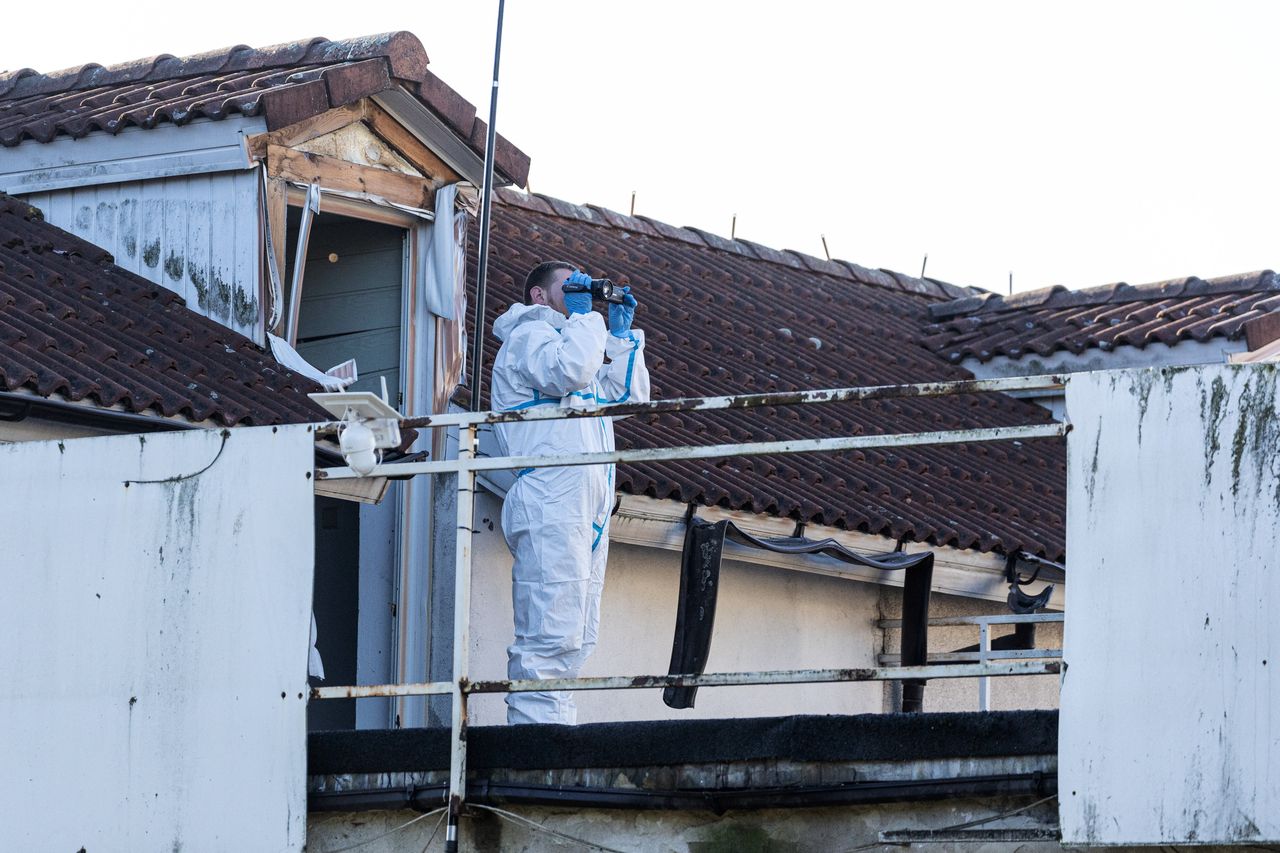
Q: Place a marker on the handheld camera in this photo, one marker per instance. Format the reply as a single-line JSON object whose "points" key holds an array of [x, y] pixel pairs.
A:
{"points": [[601, 290]]}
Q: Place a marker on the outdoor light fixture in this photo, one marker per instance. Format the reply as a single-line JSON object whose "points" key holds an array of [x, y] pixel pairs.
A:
{"points": [[369, 425], [359, 447]]}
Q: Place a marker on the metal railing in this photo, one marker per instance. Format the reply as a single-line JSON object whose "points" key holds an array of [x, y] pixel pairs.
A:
{"points": [[984, 653], [468, 464]]}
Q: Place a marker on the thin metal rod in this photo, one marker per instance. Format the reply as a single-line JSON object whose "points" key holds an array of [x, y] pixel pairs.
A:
{"points": [[794, 676], [984, 649], [461, 636], [1048, 382], [420, 688], [709, 451], [714, 679], [482, 262], [994, 619], [972, 657]]}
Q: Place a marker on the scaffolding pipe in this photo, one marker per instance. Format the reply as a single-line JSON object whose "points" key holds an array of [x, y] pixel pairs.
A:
{"points": [[709, 451], [1048, 382], [461, 637], [711, 679]]}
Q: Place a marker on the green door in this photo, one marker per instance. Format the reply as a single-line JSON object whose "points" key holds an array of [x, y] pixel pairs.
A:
{"points": [[351, 299]]}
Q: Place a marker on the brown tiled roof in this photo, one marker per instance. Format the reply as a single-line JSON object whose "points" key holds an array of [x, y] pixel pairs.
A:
{"points": [[1045, 321], [726, 316], [74, 324], [285, 83]]}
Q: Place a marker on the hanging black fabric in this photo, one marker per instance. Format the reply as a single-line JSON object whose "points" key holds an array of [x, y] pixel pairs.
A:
{"points": [[700, 581], [696, 611]]}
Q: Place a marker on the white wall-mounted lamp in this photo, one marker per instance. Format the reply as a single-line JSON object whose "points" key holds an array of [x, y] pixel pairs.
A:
{"points": [[369, 425]]}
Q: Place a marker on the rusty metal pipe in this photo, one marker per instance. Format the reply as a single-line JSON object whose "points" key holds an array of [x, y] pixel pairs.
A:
{"points": [[713, 679], [796, 676], [709, 451], [1048, 382]]}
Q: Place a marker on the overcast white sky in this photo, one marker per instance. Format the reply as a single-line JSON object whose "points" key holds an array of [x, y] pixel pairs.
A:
{"points": [[1075, 144]]}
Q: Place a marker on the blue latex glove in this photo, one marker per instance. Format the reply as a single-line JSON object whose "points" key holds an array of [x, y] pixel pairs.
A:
{"points": [[620, 316], [578, 303]]}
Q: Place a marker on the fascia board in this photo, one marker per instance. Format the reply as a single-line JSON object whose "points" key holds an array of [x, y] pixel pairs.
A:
{"points": [[133, 154], [433, 133]]}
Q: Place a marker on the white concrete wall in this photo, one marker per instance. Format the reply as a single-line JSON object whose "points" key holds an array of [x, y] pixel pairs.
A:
{"points": [[34, 429], [154, 623], [1170, 729], [798, 830]]}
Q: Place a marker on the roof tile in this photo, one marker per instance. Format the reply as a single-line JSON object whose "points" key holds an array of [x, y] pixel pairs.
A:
{"points": [[286, 83], [721, 321], [84, 328], [1055, 319]]}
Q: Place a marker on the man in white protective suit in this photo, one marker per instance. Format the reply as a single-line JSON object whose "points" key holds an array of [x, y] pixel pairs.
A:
{"points": [[557, 351]]}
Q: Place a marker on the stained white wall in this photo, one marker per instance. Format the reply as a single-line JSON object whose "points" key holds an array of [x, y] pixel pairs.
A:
{"points": [[1170, 727], [196, 235], [154, 621]]}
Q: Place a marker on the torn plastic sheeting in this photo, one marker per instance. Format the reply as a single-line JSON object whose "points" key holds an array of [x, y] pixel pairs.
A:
{"points": [[700, 582], [292, 359]]}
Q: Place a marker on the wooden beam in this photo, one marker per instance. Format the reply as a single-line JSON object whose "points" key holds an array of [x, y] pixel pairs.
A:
{"points": [[398, 137], [334, 174], [277, 221], [305, 130]]}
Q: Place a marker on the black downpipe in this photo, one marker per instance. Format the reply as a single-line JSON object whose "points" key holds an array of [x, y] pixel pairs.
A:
{"points": [[486, 203], [427, 797]]}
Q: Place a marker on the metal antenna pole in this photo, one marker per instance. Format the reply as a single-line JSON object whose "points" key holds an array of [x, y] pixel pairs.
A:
{"points": [[486, 201]]}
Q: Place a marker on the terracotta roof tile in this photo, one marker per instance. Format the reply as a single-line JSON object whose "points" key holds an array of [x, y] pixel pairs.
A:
{"points": [[1055, 319], [721, 320], [284, 83], [76, 325]]}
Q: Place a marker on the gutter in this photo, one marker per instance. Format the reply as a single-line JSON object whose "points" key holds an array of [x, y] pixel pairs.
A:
{"points": [[16, 407], [718, 801], [20, 406], [655, 523]]}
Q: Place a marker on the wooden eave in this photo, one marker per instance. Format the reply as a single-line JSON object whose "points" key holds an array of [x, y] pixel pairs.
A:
{"points": [[278, 149]]}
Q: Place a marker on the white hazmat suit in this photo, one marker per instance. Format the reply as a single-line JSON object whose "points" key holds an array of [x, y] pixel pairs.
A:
{"points": [[556, 520]]}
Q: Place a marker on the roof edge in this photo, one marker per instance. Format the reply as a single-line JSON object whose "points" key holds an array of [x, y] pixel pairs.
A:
{"points": [[836, 268], [403, 51], [1059, 296]]}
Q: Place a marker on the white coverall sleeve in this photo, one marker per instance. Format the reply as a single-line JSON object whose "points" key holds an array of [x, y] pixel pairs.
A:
{"points": [[625, 379], [557, 363]]}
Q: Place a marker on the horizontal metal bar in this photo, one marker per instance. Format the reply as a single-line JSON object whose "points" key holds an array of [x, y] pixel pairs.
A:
{"points": [[963, 657], [718, 679], [993, 619], [796, 676], [709, 451], [970, 836], [1048, 382], [426, 688]]}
